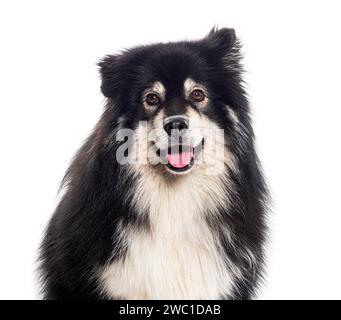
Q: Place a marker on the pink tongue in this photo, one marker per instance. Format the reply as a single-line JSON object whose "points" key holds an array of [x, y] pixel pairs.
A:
{"points": [[180, 160]]}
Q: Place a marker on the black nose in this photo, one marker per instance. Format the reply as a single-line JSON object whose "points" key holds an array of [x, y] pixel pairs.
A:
{"points": [[175, 123]]}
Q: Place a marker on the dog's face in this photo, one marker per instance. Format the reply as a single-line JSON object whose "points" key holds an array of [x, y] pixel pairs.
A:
{"points": [[179, 100]]}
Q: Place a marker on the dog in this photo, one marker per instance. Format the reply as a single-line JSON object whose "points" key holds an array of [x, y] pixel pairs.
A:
{"points": [[166, 199]]}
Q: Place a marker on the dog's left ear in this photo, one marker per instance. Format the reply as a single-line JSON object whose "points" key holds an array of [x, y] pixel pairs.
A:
{"points": [[221, 41], [110, 68]]}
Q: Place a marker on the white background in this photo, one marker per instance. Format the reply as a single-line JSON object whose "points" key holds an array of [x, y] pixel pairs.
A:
{"points": [[50, 100]]}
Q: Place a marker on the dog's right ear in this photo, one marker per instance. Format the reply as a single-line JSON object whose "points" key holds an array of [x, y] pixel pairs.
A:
{"points": [[110, 68]]}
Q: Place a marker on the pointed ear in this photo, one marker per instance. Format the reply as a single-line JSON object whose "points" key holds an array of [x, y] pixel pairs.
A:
{"points": [[223, 46], [221, 40], [112, 75]]}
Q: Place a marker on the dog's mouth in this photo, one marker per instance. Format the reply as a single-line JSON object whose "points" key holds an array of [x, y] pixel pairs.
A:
{"points": [[180, 158]]}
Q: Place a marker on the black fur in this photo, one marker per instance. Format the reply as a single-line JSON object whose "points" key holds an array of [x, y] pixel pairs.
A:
{"points": [[81, 234]]}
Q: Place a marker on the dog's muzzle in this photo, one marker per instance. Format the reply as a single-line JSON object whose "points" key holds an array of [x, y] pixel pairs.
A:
{"points": [[179, 157]]}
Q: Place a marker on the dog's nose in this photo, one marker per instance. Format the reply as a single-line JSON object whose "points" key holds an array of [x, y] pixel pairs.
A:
{"points": [[175, 123]]}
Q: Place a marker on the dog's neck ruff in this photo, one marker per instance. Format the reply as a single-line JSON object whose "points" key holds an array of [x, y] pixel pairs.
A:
{"points": [[178, 256]]}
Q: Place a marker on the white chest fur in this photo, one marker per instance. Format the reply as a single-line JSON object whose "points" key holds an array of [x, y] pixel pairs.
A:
{"points": [[179, 257]]}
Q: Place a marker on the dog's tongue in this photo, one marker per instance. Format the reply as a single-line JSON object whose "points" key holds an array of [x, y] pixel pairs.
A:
{"points": [[180, 160]]}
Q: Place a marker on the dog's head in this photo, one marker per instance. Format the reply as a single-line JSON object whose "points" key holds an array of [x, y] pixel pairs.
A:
{"points": [[177, 105]]}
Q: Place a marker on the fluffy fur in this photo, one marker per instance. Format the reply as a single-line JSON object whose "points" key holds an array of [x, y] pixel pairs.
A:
{"points": [[140, 231]]}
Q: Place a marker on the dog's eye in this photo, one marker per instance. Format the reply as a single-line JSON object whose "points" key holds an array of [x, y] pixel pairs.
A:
{"points": [[197, 95], [152, 99]]}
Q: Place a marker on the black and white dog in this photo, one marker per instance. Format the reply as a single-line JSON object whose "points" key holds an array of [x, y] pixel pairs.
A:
{"points": [[166, 199]]}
